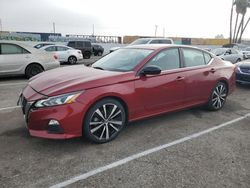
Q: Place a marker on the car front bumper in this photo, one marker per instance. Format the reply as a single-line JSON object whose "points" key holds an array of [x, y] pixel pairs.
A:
{"points": [[243, 78], [69, 117]]}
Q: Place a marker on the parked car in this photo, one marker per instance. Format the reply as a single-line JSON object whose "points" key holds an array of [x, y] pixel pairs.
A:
{"points": [[228, 54], [243, 72], [147, 41], [236, 46], [40, 45], [20, 59], [83, 45], [129, 84], [246, 53], [97, 49], [65, 53]]}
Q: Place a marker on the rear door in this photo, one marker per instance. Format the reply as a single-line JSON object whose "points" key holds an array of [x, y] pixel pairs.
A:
{"points": [[13, 58], [63, 53], [163, 92], [199, 75]]}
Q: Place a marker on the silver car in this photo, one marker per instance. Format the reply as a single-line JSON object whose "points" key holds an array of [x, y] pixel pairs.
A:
{"points": [[19, 59], [228, 54]]}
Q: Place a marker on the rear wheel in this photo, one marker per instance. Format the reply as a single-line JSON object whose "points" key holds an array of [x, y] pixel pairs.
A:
{"points": [[72, 60], [104, 121], [32, 70], [86, 55], [99, 53], [218, 97]]}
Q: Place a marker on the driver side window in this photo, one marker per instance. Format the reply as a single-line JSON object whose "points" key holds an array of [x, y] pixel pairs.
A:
{"points": [[166, 60]]}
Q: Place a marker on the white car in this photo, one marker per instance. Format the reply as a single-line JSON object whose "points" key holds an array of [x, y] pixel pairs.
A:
{"points": [[65, 53], [17, 58], [147, 41], [228, 54], [246, 53]]}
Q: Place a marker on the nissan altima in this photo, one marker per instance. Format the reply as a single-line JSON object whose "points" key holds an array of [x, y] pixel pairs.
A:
{"points": [[129, 84]]}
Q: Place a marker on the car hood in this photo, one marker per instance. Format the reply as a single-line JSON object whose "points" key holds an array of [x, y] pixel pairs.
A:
{"points": [[75, 78], [244, 64]]}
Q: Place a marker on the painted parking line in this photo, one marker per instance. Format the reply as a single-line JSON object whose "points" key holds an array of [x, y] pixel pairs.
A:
{"points": [[144, 153], [13, 84], [10, 108]]}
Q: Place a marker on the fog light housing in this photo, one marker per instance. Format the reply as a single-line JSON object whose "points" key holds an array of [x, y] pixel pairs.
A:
{"points": [[54, 127]]}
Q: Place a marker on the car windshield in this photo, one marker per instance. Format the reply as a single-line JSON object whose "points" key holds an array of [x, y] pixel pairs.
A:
{"points": [[140, 41], [122, 60], [219, 51]]}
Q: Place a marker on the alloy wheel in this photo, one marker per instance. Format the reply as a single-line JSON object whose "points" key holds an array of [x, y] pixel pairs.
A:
{"points": [[219, 96], [106, 122]]}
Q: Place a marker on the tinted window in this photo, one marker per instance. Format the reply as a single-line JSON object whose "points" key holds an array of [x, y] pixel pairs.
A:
{"points": [[166, 60], [193, 57], [12, 49], [51, 49], [165, 42], [207, 57], [62, 48], [71, 44], [79, 44], [155, 42], [87, 44]]}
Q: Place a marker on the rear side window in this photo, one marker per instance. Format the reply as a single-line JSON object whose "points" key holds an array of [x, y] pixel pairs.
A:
{"points": [[71, 44], [193, 57], [79, 44], [12, 49], [62, 48], [165, 42], [155, 42], [51, 49], [87, 44], [166, 60]]}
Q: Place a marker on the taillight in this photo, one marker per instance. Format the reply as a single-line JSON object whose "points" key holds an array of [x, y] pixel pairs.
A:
{"points": [[55, 57]]}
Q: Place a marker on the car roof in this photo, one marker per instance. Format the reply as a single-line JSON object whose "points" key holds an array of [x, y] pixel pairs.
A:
{"points": [[160, 46]]}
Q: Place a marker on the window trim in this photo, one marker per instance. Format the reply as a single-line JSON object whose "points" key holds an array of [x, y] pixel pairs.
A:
{"points": [[197, 66]]}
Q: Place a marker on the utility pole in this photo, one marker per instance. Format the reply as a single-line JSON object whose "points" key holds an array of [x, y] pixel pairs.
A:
{"points": [[93, 28], [54, 28], [164, 32], [156, 26]]}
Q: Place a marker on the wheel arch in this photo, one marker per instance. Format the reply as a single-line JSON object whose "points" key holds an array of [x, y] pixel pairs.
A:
{"points": [[33, 63], [115, 97]]}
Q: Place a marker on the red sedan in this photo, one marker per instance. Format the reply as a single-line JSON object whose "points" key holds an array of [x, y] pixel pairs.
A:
{"points": [[129, 84]]}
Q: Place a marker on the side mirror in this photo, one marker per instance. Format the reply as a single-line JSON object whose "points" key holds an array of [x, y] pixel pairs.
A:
{"points": [[150, 70]]}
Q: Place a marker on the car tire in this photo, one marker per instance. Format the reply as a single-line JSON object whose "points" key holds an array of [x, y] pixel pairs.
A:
{"points": [[218, 97], [86, 55], [72, 60], [99, 53], [104, 121], [32, 70]]}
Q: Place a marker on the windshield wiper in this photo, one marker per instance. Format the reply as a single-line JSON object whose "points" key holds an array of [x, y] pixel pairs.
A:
{"points": [[98, 68]]}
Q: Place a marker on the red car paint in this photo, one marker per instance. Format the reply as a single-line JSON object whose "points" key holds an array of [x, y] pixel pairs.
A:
{"points": [[143, 96]]}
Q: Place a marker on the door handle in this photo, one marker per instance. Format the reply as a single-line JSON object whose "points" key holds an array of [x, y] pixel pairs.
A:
{"points": [[179, 78], [212, 70]]}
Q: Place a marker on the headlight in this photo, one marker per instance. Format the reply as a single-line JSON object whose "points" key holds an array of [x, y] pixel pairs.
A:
{"points": [[57, 100], [238, 69]]}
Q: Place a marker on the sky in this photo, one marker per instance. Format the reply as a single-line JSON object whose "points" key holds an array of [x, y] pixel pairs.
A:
{"points": [[176, 18]]}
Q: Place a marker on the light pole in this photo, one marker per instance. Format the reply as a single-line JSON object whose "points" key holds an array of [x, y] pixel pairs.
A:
{"points": [[156, 26]]}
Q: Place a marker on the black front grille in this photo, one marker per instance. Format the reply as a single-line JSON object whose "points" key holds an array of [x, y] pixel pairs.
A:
{"points": [[245, 70]]}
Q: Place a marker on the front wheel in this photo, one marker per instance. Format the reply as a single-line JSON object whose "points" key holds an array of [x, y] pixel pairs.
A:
{"points": [[218, 97], [72, 60], [104, 121]]}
